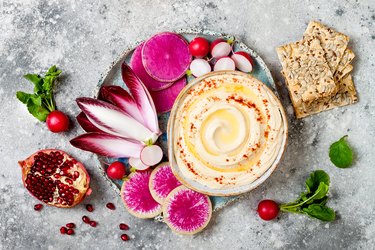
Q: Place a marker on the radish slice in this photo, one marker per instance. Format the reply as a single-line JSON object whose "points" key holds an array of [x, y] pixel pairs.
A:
{"points": [[243, 61], [220, 48], [164, 99], [151, 155], [225, 63], [199, 67], [107, 145], [137, 66], [86, 124], [137, 163], [141, 97], [166, 56]]}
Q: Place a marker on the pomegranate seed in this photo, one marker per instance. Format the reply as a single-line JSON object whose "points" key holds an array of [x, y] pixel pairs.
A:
{"points": [[38, 207], [63, 230], [86, 219], [70, 225], [124, 237], [76, 174], [110, 206], [93, 223], [123, 226], [69, 181], [70, 231], [89, 207]]}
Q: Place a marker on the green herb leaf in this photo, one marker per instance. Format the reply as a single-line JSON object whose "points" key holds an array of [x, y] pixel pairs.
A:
{"points": [[35, 107], [341, 154], [316, 177], [320, 212], [23, 97]]}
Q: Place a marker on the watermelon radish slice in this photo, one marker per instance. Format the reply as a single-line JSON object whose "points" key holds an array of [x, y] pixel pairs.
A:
{"points": [[186, 211], [166, 56], [137, 66], [137, 198], [162, 182], [164, 99]]}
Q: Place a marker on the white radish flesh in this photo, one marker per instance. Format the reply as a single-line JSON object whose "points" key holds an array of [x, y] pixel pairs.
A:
{"points": [[199, 67], [137, 164], [151, 155], [225, 63], [221, 49], [242, 62]]}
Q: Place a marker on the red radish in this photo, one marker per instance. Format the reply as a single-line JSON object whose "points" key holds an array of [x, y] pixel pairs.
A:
{"points": [[268, 209], [199, 47], [243, 61], [135, 194], [199, 67], [224, 63], [57, 121], [116, 170], [164, 99], [138, 68], [186, 211], [151, 155], [220, 48], [86, 124], [166, 56], [162, 182], [137, 163]]}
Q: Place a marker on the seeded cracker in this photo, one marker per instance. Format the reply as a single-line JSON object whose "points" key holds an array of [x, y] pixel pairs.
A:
{"points": [[342, 73], [344, 66], [306, 71], [332, 42]]}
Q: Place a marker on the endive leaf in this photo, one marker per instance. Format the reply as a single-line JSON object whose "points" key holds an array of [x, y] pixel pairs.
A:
{"points": [[86, 124]]}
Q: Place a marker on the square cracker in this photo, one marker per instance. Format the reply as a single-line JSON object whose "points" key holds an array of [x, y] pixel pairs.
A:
{"points": [[332, 42], [342, 72], [346, 95], [306, 71]]}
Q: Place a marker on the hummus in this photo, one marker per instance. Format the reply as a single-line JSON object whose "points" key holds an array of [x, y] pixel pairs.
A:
{"points": [[228, 130]]}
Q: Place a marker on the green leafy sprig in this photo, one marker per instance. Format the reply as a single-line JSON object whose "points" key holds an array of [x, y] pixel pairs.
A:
{"points": [[341, 154]]}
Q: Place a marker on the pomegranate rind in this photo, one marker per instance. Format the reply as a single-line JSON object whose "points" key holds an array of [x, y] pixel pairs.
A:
{"points": [[166, 56], [186, 211], [85, 190], [136, 196], [162, 182]]}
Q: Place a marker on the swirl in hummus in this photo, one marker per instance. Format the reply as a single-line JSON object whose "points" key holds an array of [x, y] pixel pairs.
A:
{"points": [[228, 131]]}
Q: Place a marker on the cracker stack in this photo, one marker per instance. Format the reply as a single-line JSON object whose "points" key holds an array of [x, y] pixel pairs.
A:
{"points": [[316, 70]]}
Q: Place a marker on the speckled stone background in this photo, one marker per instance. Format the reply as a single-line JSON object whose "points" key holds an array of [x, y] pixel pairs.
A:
{"points": [[84, 37]]}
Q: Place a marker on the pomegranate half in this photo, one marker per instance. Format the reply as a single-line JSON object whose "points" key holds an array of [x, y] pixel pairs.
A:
{"points": [[55, 178]]}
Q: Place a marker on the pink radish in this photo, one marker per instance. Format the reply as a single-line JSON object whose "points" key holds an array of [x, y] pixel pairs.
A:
{"points": [[164, 99], [138, 68], [166, 56], [243, 61], [220, 48], [137, 163], [224, 63], [151, 155], [199, 67]]}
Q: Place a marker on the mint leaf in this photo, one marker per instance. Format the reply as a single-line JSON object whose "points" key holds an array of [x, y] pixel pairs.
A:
{"points": [[316, 177], [341, 154], [320, 212]]}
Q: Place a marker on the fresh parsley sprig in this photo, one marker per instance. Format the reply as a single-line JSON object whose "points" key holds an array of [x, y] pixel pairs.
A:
{"points": [[41, 102]]}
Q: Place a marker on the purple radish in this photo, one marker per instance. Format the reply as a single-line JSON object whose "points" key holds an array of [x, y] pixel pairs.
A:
{"points": [[135, 194], [137, 163], [151, 155], [86, 124], [199, 67], [243, 61], [186, 211], [220, 48], [162, 182], [224, 63], [137, 66], [166, 56], [164, 99]]}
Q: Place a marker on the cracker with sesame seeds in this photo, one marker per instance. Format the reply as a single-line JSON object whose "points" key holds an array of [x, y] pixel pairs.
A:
{"points": [[342, 73]]}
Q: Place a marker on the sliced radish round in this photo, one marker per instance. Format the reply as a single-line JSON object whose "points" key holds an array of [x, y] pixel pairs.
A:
{"points": [[243, 61], [220, 48], [162, 182], [224, 63], [135, 193], [164, 99], [166, 56], [137, 164], [186, 211], [199, 67], [137, 66], [151, 155]]}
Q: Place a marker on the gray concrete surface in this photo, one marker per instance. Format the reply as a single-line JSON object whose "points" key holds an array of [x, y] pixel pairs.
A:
{"points": [[84, 37]]}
